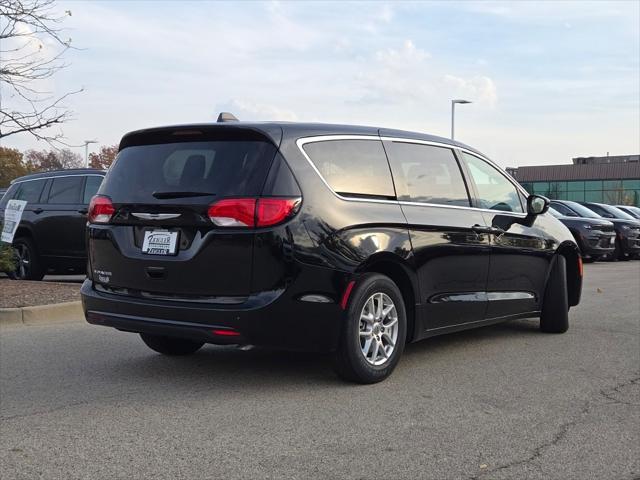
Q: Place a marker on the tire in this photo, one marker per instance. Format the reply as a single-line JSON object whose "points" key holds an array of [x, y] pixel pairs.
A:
{"points": [[29, 265], [170, 345], [554, 317], [350, 361], [618, 253]]}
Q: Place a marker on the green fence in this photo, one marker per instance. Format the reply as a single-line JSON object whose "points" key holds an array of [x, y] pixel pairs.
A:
{"points": [[612, 192]]}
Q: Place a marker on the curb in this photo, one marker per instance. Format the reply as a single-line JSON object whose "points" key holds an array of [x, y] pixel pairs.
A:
{"points": [[42, 314]]}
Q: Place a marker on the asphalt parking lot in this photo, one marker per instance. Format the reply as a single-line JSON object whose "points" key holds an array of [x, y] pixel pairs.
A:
{"points": [[502, 402]]}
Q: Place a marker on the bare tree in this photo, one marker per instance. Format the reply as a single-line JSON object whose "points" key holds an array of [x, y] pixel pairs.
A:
{"points": [[31, 50]]}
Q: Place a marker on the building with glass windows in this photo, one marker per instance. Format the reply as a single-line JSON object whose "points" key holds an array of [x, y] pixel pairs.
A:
{"points": [[613, 180]]}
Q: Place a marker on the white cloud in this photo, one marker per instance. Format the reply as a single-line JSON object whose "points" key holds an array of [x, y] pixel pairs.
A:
{"points": [[478, 89], [255, 111], [406, 57]]}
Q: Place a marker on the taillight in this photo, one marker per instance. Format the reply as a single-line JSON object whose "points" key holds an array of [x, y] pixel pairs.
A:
{"points": [[100, 209], [233, 212], [271, 211], [251, 212]]}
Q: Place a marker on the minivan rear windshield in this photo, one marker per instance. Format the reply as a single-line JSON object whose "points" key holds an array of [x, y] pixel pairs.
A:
{"points": [[220, 168]]}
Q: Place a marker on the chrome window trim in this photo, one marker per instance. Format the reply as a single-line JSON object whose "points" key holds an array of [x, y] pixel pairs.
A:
{"points": [[16, 182], [324, 138]]}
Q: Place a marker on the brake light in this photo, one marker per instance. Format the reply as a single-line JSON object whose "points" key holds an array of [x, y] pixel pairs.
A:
{"points": [[251, 212], [100, 209], [233, 212], [271, 211]]}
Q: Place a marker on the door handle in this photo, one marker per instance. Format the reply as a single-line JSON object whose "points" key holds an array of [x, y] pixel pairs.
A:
{"points": [[38, 210], [83, 211], [484, 229]]}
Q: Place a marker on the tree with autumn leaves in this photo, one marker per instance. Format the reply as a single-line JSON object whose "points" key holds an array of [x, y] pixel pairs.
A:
{"points": [[104, 158], [14, 163]]}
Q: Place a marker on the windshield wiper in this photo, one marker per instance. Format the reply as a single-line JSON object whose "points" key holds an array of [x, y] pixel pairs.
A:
{"points": [[166, 195]]}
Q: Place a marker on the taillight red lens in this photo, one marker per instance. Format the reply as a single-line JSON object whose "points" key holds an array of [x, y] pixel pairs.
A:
{"points": [[100, 209], [249, 212], [271, 211], [233, 212]]}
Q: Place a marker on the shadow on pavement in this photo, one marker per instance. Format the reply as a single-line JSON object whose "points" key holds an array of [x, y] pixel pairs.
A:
{"points": [[213, 364]]}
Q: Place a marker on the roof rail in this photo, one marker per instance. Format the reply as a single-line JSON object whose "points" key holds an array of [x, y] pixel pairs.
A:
{"points": [[226, 117]]}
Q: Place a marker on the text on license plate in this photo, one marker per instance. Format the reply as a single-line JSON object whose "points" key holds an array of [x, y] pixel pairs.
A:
{"points": [[160, 242]]}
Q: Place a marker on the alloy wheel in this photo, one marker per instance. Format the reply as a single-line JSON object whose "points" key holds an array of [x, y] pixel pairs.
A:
{"points": [[378, 329], [23, 261]]}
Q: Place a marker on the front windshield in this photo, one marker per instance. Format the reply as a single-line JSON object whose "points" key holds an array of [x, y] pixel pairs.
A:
{"points": [[616, 212], [582, 210], [633, 211]]}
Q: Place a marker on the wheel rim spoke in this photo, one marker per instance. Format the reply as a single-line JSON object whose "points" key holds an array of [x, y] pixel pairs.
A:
{"points": [[389, 340], [374, 355], [367, 347]]}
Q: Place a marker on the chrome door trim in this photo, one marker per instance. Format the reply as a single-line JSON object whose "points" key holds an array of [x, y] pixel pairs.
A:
{"points": [[323, 138]]}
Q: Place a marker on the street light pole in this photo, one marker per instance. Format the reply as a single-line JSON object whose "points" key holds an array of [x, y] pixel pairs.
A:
{"points": [[453, 114], [86, 151]]}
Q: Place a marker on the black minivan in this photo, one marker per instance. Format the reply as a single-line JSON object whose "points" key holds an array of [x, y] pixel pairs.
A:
{"points": [[343, 239], [51, 234]]}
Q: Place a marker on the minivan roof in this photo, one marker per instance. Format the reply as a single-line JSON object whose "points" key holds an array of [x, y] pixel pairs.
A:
{"points": [[294, 130], [59, 173]]}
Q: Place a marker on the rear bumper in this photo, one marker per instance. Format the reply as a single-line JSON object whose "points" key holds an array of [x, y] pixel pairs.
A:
{"points": [[278, 319]]}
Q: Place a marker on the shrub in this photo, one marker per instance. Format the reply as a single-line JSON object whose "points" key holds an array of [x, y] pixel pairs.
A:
{"points": [[7, 257]]}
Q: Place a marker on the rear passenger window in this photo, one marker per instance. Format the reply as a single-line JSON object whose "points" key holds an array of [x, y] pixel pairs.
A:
{"points": [[66, 190], [425, 173], [494, 190], [353, 167], [91, 187], [30, 191]]}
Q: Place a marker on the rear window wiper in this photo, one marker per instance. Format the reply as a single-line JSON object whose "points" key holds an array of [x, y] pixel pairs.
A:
{"points": [[165, 195]]}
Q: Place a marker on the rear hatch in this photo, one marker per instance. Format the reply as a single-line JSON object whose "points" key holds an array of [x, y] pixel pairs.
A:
{"points": [[156, 237]]}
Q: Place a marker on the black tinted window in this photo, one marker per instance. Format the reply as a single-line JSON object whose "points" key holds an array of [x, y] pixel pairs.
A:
{"points": [[353, 167], [91, 187], [66, 190], [567, 212], [30, 191], [280, 181], [495, 191], [221, 168], [424, 173]]}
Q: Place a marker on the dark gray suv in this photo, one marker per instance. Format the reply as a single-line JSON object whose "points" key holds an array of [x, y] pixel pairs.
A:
{"points": [[51, 235]]}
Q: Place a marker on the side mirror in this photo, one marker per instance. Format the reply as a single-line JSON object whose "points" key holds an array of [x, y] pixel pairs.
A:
{"points": [[537, 204]]}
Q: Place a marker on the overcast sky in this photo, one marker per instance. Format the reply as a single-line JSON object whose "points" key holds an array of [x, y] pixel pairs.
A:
{"points": [[549, 80]]}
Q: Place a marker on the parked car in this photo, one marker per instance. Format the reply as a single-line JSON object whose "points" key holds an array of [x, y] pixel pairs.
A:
{"points": [[343, 239], [595, 236], [627, 229], [630, 210], [51, 235]]}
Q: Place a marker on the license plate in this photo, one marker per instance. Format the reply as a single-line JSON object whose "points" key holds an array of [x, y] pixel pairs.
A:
{"points": [[160, 242]]}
